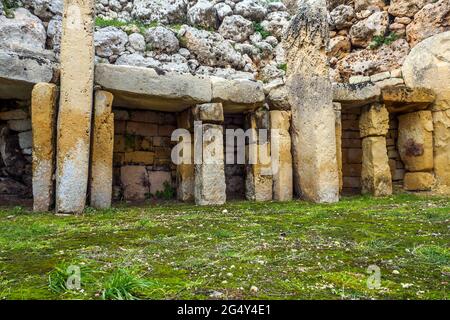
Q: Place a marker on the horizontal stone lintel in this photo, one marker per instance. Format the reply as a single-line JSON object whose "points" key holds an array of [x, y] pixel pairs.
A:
{"points": [[21, 70], [150, 89]]}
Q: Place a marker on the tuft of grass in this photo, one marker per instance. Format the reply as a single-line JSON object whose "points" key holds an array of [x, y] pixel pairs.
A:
{"points": [[123, 285], [282, 66], [9, 6], [168, 193], [433, 254], [142, 27], [379, 41], [58, 278], [260, 29]]}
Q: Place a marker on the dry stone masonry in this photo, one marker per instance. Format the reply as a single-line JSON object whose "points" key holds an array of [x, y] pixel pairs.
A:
{"points": [[354, 94]]}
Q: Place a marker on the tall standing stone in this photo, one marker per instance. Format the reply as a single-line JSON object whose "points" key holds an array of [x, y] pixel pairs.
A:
{"points": [[74, 119], [338, 123], [281, 155], [310, 95], [210, 187], [185, 169], [102, 151], [43, 118]]}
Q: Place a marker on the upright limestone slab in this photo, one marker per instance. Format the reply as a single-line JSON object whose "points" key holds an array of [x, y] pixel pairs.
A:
{"points": [[185, 167], [310, 95], [102, 151], [338, 123], [43, 118], [210, 188], [281, 155], [376, 176], [74, 118]]}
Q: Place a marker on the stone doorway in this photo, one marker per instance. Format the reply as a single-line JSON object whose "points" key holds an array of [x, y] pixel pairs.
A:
{"points": [[143, 169], [15, 153]]}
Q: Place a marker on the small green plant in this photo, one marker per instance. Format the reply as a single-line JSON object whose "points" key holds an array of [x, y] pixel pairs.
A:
{"points": [[60, 275], [378, 41], [433, 254], [260, 29], [282, 66], [128, 26], [9, 6], [123, 285], [168, 192]]}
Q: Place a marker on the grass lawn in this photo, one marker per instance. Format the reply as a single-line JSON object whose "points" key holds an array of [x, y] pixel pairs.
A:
{"points": [[241, 250]]}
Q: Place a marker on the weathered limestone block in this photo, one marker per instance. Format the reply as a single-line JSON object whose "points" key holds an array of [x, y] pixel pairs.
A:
{"points": [[134, 180], [415, 140], [376, 176], [338, 124], [356, 95], [74, 119], [185, 161], [281, 155], [259, 175], [374, 121], [404, 99], [208, 112], [418, 181], [158, 181], [210, 188], [310, 95], [43, 117], [102, 151], [441, 120]]}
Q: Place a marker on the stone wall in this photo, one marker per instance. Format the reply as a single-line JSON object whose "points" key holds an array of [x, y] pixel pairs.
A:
{"points": [[395, 162], [142, 149], [15, 149], [351, 151]]}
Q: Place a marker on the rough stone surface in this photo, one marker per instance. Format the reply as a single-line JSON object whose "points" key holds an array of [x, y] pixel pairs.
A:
{"points": [[418, 181], [143, 88], [210, 187], [208, 112], [310, 95], [102, 151], [356, 95], [281, 155], [404, 99], [374, 121], [43, 115], [134, 181], [158, 181], [74, 119], [376, 176], [415, 140], [441, 121]]}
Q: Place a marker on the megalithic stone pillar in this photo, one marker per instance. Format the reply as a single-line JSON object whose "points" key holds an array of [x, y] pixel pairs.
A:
{"points": [[280, 143], [43, 118], [185, 170], [338, 122], [376, 178], [102, 151], [210, 187], [310, 95], [74, 118]]}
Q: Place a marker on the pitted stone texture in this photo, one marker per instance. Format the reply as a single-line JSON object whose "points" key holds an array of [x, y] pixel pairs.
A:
{"points": [[102, 151], [164, 11], [162, 39], [415, 140], [23, 31], [374, 121], [134, 180], [356, 95], [74, 118], [43, 115], [209, 113], [404, 99], [210, 187], [236, 28], [203, 14], [428, 66], [281, 155], [158, 181], [110, 41], [310, 95], [376, 176], [418, 181], [441, 121]]}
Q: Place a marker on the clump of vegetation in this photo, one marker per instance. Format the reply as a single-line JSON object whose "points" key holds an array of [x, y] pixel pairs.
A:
{"points": [[9, 6], [433, 254], [378, 41], [282, 66], [168, 192], [123, 285], [60, 277], [260, 29], [128, 27]]}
